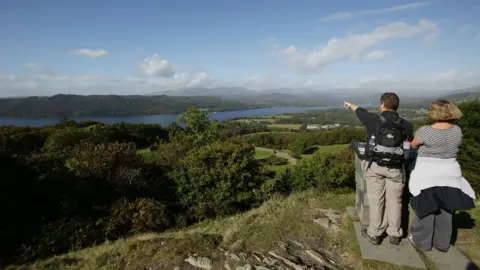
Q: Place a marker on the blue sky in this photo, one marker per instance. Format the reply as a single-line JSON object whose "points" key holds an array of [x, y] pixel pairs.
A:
{"points": [[137, 47]]}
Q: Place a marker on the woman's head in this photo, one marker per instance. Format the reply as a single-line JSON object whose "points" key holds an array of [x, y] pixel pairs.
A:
{"points": [[444, 111]]}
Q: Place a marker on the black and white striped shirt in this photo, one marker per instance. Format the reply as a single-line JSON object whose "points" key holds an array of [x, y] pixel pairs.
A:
{"points": [[439, 143]]}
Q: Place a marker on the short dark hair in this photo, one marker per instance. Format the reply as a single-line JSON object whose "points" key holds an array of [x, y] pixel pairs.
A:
{"points": [[390, 101]]}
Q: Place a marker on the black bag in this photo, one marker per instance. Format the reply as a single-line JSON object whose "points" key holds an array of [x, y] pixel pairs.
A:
{"points": [[389, 138]]}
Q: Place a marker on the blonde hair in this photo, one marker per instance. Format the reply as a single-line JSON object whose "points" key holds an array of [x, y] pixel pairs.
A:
{"points": [[444, 111]]}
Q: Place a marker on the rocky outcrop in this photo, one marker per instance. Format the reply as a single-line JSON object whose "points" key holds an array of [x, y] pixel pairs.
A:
{"points": [[288, 255]]}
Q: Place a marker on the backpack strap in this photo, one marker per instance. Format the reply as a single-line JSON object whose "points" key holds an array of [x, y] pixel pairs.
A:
{"points": [[382, 118]]}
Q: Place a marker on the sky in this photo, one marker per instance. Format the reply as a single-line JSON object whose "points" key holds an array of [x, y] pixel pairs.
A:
{"points": [[139, 47]]}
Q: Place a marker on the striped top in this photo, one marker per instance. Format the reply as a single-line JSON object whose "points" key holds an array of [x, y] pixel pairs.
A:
{"points": [[439, 143]]}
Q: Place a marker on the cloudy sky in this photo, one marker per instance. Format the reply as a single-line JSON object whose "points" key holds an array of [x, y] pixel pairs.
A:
{"points": [[136, 47]]}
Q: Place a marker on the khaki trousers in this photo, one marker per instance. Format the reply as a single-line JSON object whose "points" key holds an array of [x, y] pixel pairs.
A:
{"points": [[385, 190]]}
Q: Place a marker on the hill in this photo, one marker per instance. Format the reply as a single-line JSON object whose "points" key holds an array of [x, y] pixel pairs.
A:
{"points": [[322, 97], [111, 105], [280, 232], [268, 97]]}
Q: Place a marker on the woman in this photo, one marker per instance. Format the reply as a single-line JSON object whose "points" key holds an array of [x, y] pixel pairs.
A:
{"points": [[436, 183]]}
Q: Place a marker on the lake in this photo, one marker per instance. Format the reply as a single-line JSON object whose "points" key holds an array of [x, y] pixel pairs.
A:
{"points": [[163, 119]]}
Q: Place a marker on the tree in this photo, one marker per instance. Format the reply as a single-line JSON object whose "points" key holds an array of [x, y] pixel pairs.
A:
{"points": [[469, 156], [197, 121], [219, 179]]}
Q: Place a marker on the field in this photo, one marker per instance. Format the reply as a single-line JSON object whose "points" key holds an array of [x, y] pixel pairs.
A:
{"points": [[261, 153], [323, 149], [284, 126], [264, 153]]}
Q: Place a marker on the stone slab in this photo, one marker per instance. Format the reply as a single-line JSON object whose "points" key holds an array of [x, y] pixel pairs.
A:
{"points": [[403, 254], [451, 260]]}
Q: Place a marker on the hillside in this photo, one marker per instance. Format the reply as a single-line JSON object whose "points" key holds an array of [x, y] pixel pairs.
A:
{"points": [[110, 105], [307, 229]]}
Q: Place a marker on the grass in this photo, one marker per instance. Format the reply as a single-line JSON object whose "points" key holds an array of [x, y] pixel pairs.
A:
{"points": [[284, 126], [468, 239], [256, 230], [324, 149], [147, 155], [262, 154], [278, 219]]}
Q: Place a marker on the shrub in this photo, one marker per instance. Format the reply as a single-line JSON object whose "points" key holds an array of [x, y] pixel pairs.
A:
{"points": [[141, 215], [325, 171], [218, 179]]}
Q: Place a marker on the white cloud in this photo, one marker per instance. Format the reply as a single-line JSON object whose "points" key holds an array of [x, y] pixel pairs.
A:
{"points": [[39, 69], [376, 55], [347, 15], [155, 66], [351, 46], [40, 84], [90, 53], [447, 80]]}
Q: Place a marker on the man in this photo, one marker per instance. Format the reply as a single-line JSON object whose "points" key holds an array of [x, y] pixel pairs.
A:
{"points": [[385, 183]]}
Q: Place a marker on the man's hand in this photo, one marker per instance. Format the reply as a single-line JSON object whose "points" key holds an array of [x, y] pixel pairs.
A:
{"points": [[349, 105]]}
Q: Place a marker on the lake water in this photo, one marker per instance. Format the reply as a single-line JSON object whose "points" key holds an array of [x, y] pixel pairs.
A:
{"points": [[163, 119]]}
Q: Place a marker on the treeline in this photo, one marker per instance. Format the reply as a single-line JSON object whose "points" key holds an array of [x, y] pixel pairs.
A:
{"points": [[74, 185], [111, 105]]}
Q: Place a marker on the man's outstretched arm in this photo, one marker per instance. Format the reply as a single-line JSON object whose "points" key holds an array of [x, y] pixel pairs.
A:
{"points": [[363, 115]]}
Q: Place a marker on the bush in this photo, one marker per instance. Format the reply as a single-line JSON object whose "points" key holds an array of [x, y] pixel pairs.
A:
{"points": [[326, 171], [218, 179], [141, 215]]}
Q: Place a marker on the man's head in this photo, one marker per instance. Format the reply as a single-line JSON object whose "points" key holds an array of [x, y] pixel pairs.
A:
{"points": [[389, 102]]}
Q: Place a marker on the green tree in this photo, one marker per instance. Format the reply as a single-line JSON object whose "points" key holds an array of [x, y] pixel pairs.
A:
{"points": [[218, 179], [469, 156], [326, 171], [197, 121]]}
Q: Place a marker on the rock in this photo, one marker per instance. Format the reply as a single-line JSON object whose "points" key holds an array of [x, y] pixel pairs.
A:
{"points": [[233, 256], [242, 256], [256, 257], [287, 261], [282, 245], [259, 267], [317, 257], [269, 261], [297, 244], [227, 266], [200, 262], [327, 223], [245, 267]]}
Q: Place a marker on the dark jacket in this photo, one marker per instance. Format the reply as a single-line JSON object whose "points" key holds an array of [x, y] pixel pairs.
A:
{"points": [[372, 120], [433, 199]]}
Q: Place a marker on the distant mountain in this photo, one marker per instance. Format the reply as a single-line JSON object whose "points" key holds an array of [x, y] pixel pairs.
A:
{"points": [[267, 97], [322, 97]]}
